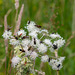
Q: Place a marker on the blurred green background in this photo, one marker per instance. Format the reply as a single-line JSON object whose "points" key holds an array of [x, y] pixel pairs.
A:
{"points": [[53, 15]]}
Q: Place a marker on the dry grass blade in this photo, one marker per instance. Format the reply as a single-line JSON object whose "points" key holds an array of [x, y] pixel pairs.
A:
{"points": [[19, 20], [6, 41]]}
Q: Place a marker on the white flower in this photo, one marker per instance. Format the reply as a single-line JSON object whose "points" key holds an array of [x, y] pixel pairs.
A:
{"points": [[37, 42], [56, 64], [51, 49], [15, 60], [14, 42], [25, 48], [31, 26], [44, 30], [7, 34], [59, 43], [33, 55], [25, 42], [42, 48], [48, 42], [21, 33], [33, 33], [53, 36], [27, 53], [52, 61], [44, 58], [61, 59]]}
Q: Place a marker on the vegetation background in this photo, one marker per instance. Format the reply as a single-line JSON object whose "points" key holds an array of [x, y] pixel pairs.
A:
{"points": [[54, 15]]}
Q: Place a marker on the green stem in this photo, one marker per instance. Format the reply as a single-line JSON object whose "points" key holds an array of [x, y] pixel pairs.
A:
{"points": [[57, 72]]}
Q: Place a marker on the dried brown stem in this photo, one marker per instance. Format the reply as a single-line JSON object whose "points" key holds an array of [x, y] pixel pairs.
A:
{"points": [[6, 41], [19, 20]]}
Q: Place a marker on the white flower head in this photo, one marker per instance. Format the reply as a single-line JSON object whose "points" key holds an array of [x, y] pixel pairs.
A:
{"points": [[27, 53], [52, 61], [48, 42], [33, 34], [14, 42], [33, 55], [7, 34], [15, 60], [51, 49], [25, 42], [31, 26], [42, 48], [59, 43], [56, 64], [37, 42], [21, 33], [61, 59], [53, 36], [44, 58]]}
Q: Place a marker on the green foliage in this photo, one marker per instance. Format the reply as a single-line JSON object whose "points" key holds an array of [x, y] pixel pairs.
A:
{"points": [[42, 12]]}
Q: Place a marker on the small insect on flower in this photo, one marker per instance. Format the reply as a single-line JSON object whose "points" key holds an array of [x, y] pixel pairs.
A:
{"points": [[38, 26], [28, 22], [25, 37], [25, 63], [29, 48], [49, 59], [55, 46], [21, 33], [22, 50], [41, 41], [16, 37], [58, 66], [34, 41]]}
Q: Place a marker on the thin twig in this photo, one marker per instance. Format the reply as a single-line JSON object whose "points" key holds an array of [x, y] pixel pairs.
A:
{"points": [[19, 20]]}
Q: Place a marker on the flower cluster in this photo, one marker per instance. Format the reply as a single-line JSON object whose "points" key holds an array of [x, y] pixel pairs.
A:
{"points": [[36, 43]]}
